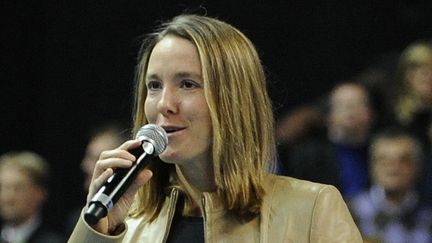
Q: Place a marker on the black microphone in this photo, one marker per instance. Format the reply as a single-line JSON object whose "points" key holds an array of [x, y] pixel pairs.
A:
{"points": [[153, 142]]}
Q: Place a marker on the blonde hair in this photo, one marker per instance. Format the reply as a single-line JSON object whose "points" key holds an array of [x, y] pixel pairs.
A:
{"points": [[243, 145], [414, 55], [30, 163]]}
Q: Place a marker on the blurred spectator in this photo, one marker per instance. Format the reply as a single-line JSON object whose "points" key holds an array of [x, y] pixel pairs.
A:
{"points": [[413, 104], [340, 156], [103, 137], [309, 119], [390, 211], [24, 178], [350, 117]]}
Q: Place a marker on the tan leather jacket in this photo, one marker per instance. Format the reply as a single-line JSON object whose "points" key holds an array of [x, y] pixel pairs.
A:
{"points": [[293, 211]]}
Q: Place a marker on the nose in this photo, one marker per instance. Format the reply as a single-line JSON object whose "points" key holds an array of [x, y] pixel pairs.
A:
{"points": [[168, 102]]}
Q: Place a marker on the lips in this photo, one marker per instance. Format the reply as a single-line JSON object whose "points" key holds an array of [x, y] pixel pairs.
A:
{"points": [[172, 129]]}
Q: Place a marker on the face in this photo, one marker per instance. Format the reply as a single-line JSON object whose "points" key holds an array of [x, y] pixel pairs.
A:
{"points": [[175, 100], [20, 198], [95, 147], [420, 80], [350, 115], [394, 166]]}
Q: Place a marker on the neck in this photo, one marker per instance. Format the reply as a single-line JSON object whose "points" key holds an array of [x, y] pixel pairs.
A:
{"points": [[195, 182], [395, 196], [22, 221], [198, 178]]}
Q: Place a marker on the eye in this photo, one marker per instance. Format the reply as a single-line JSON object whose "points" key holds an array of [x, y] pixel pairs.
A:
{"points": [[154, 85], [189, 84]]}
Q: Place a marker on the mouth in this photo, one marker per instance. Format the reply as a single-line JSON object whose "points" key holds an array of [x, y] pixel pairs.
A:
{"points": [[172, 129]]}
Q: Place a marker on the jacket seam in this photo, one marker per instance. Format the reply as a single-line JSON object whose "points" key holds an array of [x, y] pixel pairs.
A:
{"points": [[267, 205], [314, 212]]}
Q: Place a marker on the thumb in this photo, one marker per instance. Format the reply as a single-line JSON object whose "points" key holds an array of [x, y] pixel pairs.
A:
{"points": [[142, 178]]}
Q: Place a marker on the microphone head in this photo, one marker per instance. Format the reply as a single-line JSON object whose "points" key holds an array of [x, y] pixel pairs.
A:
{"points": [[155, 135]]}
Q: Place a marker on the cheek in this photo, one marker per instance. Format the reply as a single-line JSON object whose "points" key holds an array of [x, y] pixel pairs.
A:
{"points": [[410, 174], [150, 110], [203, 114], [380, 173], [34, 199]]}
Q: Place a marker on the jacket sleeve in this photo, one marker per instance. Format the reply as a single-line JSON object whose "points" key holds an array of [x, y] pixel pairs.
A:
{"points": [[331, 220], [83, 233]]}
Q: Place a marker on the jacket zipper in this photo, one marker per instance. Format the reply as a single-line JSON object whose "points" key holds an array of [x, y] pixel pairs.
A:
{"points": [[204, 218], [171, 212]]}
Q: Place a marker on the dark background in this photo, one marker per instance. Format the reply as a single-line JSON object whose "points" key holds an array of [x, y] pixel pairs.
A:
{"points": [[68, 65]]}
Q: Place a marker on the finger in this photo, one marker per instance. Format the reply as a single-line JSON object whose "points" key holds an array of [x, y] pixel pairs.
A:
{"points": [[98, 182], [102, 165], [118, 153], [143, 177], [122, 151], [130, 144]]}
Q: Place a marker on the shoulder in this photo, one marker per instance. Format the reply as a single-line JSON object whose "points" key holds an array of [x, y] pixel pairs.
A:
{"points": [[282, 192], [424, 215], [307, 209], [275, 184]]}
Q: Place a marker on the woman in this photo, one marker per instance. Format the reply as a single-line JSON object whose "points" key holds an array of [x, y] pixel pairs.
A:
{"points": [[202, 81], [413, 102]]}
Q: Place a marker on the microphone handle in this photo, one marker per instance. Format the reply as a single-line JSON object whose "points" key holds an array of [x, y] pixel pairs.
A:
{"points": [[116, 185]]}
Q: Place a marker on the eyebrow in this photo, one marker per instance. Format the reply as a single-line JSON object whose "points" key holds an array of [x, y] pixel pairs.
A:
{"points": [[177, 75], [187, 74], [151, 76]]}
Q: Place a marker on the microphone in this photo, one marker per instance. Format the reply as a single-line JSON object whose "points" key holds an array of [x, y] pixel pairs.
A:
{"points": [[153, 142]]}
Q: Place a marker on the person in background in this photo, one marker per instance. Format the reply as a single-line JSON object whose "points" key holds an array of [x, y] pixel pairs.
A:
{"points": [[306, 121], [201, 80], [390, 211], [413, 104], [339, 156], [102, 137], [378, 78], [24, 179]]}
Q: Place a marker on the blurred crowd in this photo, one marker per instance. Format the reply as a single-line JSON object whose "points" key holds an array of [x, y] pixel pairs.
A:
{"points": [[25, 189], [370, 136]]}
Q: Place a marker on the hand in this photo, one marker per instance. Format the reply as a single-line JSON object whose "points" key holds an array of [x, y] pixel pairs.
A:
{"points": [[104, 168]]}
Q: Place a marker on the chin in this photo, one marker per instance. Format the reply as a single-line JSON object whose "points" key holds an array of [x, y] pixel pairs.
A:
{"points": [[169, 157]]}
